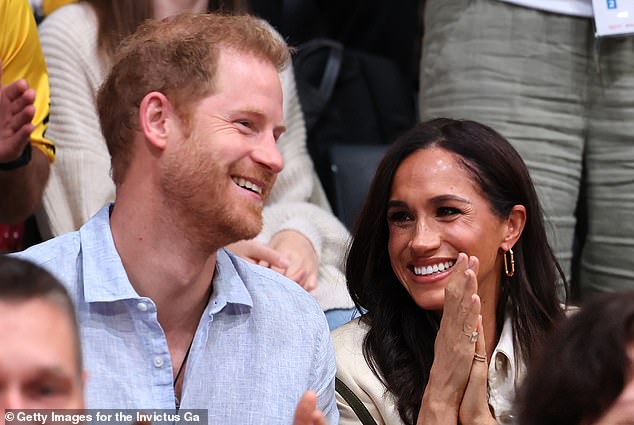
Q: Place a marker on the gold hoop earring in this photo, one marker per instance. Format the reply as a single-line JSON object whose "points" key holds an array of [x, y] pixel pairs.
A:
{"points": [[508, 272]]}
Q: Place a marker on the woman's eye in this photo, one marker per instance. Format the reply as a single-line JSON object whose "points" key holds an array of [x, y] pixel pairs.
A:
{"points": [[447, 211], [398, 217]]}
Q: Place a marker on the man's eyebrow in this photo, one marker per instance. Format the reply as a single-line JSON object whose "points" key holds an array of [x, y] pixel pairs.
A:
{"points": [[257, 114], [54, 372]]}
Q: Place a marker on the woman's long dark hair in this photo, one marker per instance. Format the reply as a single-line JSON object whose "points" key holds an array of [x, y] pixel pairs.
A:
{"points": [[399, 346]]}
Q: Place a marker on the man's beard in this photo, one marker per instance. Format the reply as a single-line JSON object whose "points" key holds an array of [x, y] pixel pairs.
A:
{"points": [[196, 190]]}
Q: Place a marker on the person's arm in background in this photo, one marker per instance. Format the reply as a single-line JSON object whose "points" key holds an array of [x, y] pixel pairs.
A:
{"points": [[24, 107]]}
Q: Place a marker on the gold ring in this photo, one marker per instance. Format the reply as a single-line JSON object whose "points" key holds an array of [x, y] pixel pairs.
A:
{"points": [[473, 336], [480, 357]]}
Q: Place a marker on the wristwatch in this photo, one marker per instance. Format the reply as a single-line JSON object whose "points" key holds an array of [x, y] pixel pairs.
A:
{"points": [[24, 159]]}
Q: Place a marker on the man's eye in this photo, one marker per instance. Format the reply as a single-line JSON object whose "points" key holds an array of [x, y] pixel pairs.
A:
{"points": [[48, 390], [447, 211], [245, 123], [44, 390]]}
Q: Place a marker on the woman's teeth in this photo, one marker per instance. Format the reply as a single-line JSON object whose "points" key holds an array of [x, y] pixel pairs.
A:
{"points": [[436, 268]]}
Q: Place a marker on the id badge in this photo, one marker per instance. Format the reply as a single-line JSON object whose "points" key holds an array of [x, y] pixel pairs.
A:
{"points": [[613, 18]]}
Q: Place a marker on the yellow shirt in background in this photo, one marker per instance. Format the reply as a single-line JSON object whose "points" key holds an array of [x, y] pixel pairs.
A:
{"points": [[22, 57]]}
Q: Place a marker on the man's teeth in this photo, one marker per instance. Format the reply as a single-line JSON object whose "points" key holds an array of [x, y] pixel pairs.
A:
{"points": [[247, 184], [436, 268]]}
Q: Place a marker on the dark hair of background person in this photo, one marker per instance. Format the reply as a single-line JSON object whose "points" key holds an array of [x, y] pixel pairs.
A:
{"points": [[583, 366], [22, 281], [399, 346], [119, 18]]}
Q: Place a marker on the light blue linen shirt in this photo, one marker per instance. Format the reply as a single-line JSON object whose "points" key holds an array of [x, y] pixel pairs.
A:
{"points": [[261, 341]]}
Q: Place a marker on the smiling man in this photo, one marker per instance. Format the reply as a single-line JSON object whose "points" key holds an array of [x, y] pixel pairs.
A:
{"points": [[191, 112]]}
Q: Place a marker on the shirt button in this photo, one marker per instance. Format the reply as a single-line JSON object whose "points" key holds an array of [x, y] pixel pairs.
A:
{"points": [[141, 306], [158, 362]]}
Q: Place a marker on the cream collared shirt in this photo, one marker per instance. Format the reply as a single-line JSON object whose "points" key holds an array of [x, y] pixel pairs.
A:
{"points": [[504, 376], [353, 370]]}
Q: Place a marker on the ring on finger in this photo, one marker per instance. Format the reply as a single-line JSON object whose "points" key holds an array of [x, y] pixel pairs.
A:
{"points": [[473, 336], [480, 357]]}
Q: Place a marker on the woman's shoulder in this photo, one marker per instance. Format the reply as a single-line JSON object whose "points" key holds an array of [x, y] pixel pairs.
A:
{"points": [[349, 338], [354, 372], [352, 366]]}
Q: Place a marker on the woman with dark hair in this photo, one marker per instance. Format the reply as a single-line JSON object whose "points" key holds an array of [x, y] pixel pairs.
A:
{"points": [[451, 263], [593, 381]]}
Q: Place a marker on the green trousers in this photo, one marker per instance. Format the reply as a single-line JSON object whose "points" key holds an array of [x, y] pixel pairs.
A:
{"points": [[565, 101]]}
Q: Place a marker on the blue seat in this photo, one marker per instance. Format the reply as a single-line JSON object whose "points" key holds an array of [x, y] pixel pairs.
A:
{"points": [[352, 168]]}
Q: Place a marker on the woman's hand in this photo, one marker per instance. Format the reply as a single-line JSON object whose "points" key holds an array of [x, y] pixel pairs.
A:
{"points": [[303, 263], [289, 253], [474, 408], [454, 347]]}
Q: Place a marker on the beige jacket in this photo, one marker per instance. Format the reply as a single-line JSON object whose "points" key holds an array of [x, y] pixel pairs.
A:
{"points": [[353, 370]]}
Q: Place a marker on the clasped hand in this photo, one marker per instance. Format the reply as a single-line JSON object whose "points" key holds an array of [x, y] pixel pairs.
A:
{"points": [[16, 113], [457, 388]]}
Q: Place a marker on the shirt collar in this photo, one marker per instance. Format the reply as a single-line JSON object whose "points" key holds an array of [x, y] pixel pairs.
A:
{"points": [[105, 278], [229, 285], [503, 360]]}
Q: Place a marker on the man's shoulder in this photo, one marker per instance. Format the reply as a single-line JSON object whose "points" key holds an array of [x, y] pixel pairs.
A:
{"points": [[58, 255], [61, 248], [271, 290]]}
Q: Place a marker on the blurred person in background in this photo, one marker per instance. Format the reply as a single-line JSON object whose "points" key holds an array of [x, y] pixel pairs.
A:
{"points": [[585, 373], [24, 108]]}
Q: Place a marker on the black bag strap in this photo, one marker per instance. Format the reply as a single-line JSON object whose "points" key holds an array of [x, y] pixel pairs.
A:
{"points": [[333, 64], [353, 401]]}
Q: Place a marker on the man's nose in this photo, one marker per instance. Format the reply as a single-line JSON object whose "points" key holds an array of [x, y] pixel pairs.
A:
{"points": [[269, 155], [12, 398]]}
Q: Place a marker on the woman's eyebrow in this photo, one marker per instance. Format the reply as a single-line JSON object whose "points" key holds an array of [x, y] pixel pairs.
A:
{"points": [[444, 198]]}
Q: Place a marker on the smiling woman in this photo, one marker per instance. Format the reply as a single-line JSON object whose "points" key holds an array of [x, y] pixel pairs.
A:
{"points": [[449, 324]]}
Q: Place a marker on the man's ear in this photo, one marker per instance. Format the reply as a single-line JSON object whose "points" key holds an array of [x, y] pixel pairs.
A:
{"points": [[514, 226], [155, 113]]}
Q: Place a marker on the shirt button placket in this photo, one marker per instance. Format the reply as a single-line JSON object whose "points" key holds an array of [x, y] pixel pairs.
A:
{"points": [[158, 362]]}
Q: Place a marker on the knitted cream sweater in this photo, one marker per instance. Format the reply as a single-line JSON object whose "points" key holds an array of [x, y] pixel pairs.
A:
{"points": [[80, 182]]}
